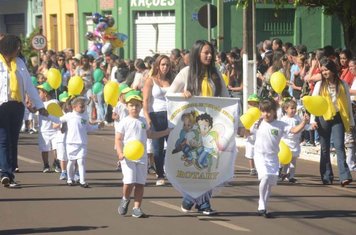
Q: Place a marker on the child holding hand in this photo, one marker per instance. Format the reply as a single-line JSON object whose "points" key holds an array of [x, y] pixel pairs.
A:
{"points": [[134, 127]]}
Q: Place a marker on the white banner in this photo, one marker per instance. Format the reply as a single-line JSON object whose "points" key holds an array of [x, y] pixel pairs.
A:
{"points": [[201, 149]]}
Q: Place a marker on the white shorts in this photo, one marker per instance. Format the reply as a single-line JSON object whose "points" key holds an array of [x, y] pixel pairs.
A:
{"points": [[61, 152], [149, 146], [133, 172], [249, 149], [76, 151], [47, 141]]}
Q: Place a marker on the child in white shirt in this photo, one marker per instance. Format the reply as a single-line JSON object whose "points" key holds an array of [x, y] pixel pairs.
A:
{"points": [[133, 127], [291, 139], [61, 136], [77, 139], [269, 132], [253, 101], [119, 112], [47, 133]]}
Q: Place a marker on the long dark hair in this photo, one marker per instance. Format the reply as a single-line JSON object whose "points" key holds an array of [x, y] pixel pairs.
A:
{"points": [[10, 44], [196, 71], [156, 70], [330, 65]]}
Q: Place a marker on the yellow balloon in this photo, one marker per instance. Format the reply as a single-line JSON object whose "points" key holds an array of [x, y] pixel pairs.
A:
{"points": [[111, 93], [117, 43], [278, 82], [226, 79], [255, 113], [316, 105], [55, 110], [284, 155], [247, 120], [54, 78], [134, 150], [110, 30], [75, 85]]}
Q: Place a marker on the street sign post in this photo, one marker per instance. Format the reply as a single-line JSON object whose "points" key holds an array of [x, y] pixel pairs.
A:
{"points": [[39, 42], [207, 17]]}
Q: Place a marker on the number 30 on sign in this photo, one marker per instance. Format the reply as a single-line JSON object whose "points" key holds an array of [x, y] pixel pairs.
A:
{"points": [[39, 42]]}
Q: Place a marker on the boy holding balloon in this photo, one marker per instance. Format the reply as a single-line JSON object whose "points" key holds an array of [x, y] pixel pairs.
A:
{"points": [[292, 140], [252, 101], [269, 132], [47, 133], [132, 134]]}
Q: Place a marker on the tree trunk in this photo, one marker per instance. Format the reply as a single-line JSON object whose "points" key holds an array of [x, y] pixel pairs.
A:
{"points": [[348, 21]]}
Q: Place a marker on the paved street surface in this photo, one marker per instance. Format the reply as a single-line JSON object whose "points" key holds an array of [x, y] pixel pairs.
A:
{"points": [[46, 205]]}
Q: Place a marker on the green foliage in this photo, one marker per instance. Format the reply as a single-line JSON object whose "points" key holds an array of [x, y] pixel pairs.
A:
{"points": [[27, 49]]}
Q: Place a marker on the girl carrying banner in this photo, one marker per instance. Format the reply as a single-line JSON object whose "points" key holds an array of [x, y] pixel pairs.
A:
{"points": [[200, 78]]}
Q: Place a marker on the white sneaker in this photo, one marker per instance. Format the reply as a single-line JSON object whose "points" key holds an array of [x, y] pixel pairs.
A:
{"points": [[160, 182]]}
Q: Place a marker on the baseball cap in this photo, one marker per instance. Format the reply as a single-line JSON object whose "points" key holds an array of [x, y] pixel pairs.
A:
{"points": [[63, 97], [78, 56], [134, 94], [253, 98], [124, 88], [45, 86]]}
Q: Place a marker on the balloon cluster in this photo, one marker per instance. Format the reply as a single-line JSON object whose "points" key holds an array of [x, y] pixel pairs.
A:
{"points": [[105, 37]]}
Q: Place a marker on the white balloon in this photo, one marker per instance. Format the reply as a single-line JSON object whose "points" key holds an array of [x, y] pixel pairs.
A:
{"points": [[107, 47]]}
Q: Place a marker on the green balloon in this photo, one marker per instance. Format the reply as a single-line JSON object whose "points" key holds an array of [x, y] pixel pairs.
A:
{"points": [[98, 75], [97, 87]]}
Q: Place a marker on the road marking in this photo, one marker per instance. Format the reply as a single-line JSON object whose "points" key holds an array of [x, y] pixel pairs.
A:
{"points": [[206, 218], [224, 224], [27, 160]]}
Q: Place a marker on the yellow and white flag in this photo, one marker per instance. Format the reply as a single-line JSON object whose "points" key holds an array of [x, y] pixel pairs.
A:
{"points": [[201, 148]]}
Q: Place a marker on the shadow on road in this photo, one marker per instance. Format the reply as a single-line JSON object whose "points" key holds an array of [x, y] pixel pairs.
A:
{"points": [[50, 230]]}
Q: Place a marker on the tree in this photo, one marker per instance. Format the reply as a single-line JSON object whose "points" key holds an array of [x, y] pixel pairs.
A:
{"points": [[344, 10], [27, 49]]}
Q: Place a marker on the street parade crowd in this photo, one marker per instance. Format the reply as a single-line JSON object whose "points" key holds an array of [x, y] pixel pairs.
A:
{"points": [[63, 95]]}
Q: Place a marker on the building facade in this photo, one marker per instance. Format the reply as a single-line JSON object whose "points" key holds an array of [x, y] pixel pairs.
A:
{"points": [[20, 17], [157, 26]]}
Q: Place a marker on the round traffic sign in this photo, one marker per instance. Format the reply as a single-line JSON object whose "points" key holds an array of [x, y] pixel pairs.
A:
{"points": [[39, 42], [203, 16]]}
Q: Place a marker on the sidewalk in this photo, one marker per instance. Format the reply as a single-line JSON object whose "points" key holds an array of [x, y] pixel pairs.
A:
{"points": [[309, 153]]}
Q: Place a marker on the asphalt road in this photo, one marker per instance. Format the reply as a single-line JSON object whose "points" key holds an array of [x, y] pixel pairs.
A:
{"points": [[46, 205]]}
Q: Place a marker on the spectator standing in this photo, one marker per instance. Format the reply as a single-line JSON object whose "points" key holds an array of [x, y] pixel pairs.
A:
{"points": [[155, 108], [15, 82], [334, 123]]}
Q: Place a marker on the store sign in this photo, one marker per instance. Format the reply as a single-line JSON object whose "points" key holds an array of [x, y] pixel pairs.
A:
{"points": [[153, 3]]}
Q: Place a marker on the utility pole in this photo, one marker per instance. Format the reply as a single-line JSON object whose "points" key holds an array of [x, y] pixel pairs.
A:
{"points": [[249, 53]]}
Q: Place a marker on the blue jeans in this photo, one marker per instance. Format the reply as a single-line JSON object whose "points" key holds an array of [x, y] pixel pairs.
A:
{"points": [[201, 203], [332, 129], [11, 115], [159, 123]]}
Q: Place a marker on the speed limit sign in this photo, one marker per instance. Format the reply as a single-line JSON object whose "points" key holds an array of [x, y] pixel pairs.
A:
{"points": [[39, 42]]}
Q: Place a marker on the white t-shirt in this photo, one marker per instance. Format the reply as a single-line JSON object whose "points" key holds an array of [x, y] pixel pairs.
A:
{"points": [[268, 136], [353, 87], [134, 129], [121, 110], [291, 139], [78, 127], [45, 124]]}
